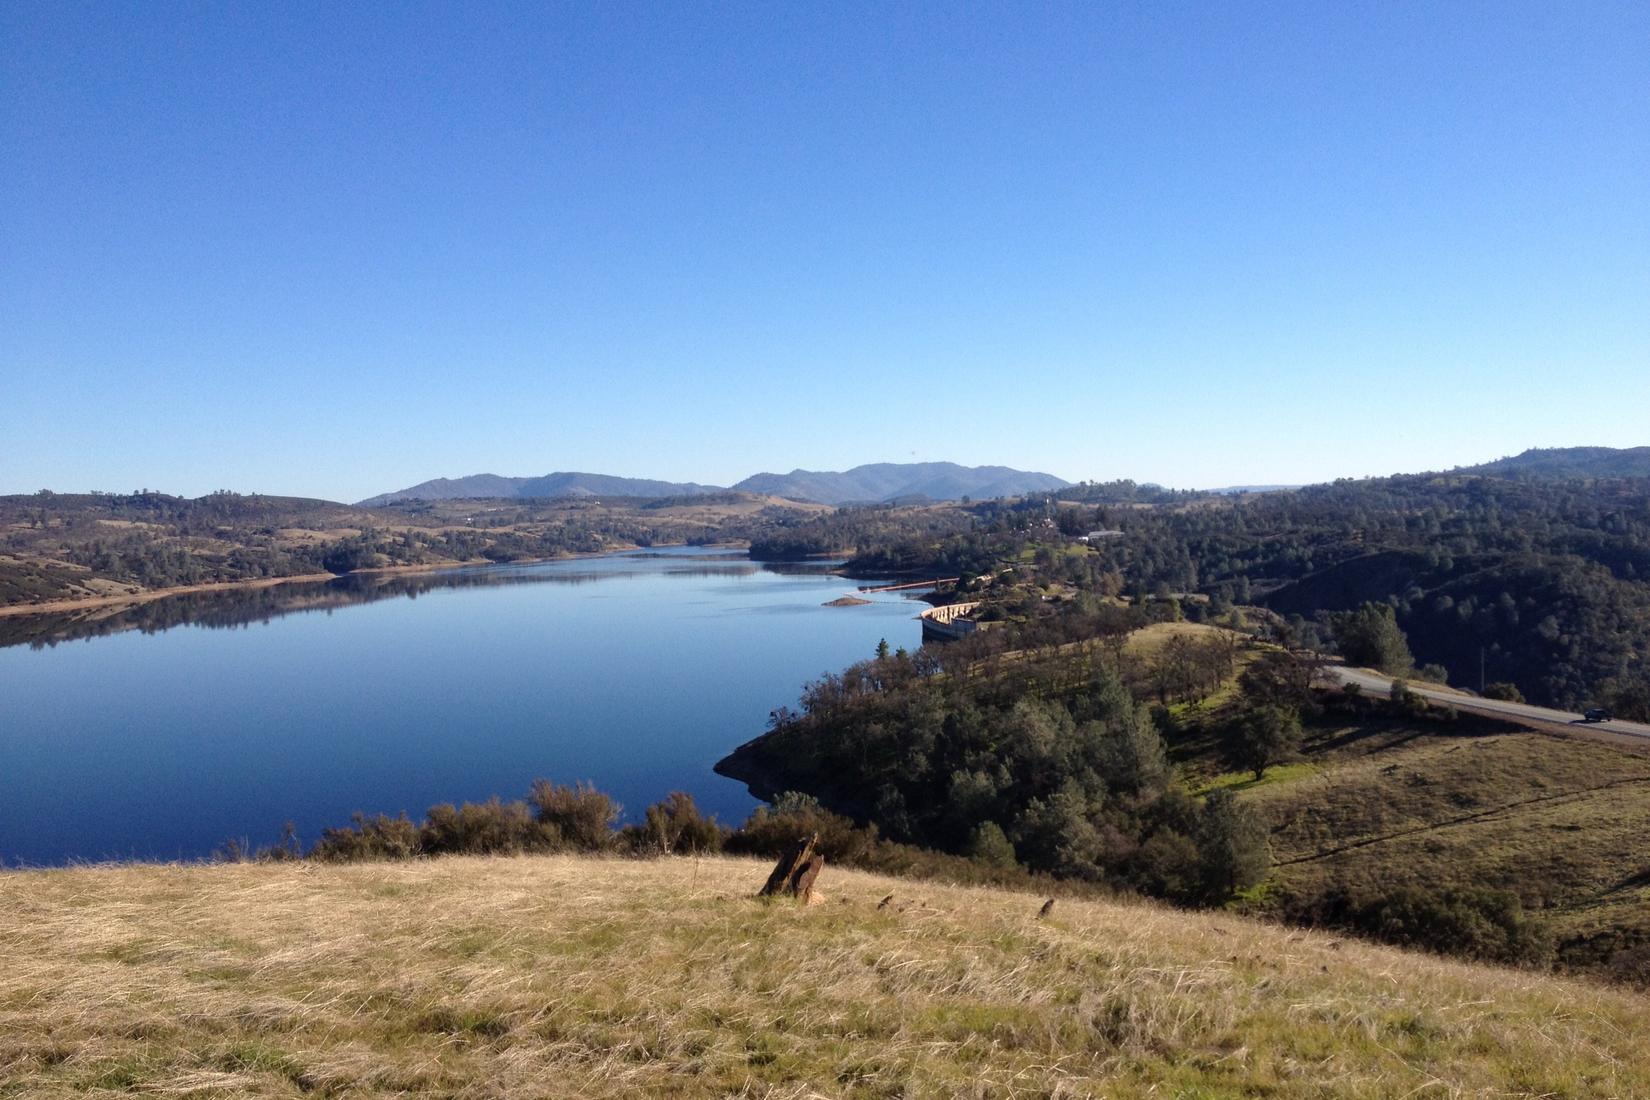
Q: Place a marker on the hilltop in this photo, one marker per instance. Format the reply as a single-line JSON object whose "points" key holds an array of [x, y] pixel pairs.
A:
{"points": [[535, 976], [1568, 462], [887, 481]]}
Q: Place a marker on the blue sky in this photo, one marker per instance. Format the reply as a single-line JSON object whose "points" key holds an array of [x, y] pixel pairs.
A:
{"points": [[336, 249]]}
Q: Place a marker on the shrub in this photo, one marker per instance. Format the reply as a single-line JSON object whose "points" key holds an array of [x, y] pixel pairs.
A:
{"points": [[1405, 701], [1628, 696], [1167, 866], [285, 850], [675, 825], [237, 850], [368, 838], [1475, 923], [482, 828], [1631, 966], [772, 830], [553, 819], [579, 817]]}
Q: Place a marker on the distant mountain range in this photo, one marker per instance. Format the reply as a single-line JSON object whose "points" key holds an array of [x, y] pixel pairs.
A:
{"points": [[875, 483], [561, 484], [882, 482], [885, 481], [1568, 462]]}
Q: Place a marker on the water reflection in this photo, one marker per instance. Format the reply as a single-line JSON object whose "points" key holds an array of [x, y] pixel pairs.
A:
{"points": [[634, 672], [228, 608]]}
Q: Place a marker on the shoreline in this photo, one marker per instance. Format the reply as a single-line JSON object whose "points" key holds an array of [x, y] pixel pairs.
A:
{"points": [[132, 599]]}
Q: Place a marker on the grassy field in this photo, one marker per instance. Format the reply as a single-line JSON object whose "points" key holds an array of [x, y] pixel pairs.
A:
{"points": [[560, 976]]}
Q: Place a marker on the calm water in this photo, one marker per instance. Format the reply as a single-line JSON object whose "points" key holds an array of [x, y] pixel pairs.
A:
{"points": [[162, 732]]}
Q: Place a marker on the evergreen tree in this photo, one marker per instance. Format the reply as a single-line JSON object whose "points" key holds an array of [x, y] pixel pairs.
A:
{"points": [[1370, 637], [1232, 849]]}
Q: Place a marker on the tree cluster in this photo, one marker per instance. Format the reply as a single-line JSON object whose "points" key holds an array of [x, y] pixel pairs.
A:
{"points": [[1046, 762]]}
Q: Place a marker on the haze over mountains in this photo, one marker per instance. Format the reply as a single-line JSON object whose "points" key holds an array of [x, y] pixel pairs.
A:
{"points": [[874, 483], [561, 484]]}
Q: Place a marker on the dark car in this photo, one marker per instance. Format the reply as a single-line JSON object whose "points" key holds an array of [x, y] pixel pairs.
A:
{"points": [[1597, 714]]}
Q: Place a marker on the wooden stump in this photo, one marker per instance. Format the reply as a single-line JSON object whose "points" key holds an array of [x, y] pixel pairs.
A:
{"points": [[794, 874]]}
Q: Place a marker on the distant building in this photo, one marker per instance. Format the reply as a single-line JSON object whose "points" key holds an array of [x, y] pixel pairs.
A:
{"points": [[1099, 536]]}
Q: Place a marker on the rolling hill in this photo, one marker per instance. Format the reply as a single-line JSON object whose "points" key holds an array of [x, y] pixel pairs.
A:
{"points": [[1560, 463], [887, 481]]}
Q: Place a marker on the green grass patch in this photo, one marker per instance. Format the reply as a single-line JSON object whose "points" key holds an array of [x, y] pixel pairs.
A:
{"points": [[1238, 782]]}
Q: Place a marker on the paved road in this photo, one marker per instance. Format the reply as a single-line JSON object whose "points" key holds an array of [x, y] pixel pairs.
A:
{"points": [[1374, 682]]}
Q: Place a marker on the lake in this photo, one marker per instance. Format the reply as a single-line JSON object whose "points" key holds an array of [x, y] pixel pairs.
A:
{"points": [[161, 731]]}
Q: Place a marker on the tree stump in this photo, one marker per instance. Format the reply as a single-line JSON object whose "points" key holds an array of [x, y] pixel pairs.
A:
{"points": [[794, 874]]}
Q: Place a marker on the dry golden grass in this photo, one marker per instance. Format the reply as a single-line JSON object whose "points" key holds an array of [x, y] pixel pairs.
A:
{"points": [[1148, 642], [559, 976]]}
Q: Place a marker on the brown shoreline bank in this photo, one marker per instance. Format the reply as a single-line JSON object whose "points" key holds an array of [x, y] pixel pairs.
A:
{"points": [[81, 603]]}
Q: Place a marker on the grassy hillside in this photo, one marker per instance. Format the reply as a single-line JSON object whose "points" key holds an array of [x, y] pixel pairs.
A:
{"points": [[559, 976], [1560, 822]]}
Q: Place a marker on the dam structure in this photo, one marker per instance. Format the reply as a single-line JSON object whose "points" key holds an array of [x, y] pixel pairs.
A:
{"points": [[948, 623]]}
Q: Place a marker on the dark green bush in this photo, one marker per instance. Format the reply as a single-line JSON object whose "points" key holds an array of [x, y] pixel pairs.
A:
{"points": [[1631, 966], [990, 845], [1467, 922], [1167, 866]]}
